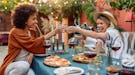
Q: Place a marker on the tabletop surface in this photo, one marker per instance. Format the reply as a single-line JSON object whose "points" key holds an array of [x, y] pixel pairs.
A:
{"points": [[41, 69]]}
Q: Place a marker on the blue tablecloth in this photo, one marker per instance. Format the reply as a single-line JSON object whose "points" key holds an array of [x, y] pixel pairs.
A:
{"points": [[41, 69]]}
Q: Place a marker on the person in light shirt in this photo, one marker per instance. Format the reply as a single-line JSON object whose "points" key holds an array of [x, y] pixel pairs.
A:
{"points": [[109, 35]]}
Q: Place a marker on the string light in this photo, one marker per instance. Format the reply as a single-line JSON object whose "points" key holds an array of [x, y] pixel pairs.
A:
{"points": [[31, 0], [45, 1], [52, 13]]}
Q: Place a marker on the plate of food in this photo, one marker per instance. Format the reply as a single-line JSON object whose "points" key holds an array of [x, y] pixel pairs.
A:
{"points": [[69, 71], [56, 61], [81, 58], [85, 58]]}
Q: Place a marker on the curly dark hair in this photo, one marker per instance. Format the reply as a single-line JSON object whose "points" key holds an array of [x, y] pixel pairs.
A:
{"points": [[21, 13]]}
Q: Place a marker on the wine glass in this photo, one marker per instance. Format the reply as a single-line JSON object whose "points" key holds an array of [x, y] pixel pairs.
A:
{"points": [[115, 47], [47, 46], [72, 43], [90, 54], [93, 68]]}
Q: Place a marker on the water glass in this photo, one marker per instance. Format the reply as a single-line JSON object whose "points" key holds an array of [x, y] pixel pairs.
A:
{"points": [[93, 69], [78, 49]]}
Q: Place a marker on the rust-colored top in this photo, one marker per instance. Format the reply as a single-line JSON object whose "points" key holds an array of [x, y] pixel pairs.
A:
{"points": [[19, 39]]}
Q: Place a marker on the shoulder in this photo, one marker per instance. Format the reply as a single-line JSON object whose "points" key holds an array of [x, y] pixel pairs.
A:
{"points": [[112, 31], [17, 31]]}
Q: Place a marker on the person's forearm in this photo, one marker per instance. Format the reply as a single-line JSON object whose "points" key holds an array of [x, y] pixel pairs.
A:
{"points": [[50, 34], [87, 32], [91, 33]]}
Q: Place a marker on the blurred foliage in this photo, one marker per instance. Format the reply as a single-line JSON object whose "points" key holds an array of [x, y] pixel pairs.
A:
{"points": [[123, 4], [119, 28], [57, 8], [89, 9], [64, 8], [7, 5]]}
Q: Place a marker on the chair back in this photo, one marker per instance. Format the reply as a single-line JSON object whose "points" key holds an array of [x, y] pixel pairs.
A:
{"points": [[129, 42]]}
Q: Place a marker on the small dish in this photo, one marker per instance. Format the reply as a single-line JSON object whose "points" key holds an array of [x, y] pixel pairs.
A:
{"points": [[69, 71], [128, 63]]}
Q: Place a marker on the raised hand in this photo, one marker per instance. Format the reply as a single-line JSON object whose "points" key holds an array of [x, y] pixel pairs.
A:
{"points": [[60, 28], [71, 29]]}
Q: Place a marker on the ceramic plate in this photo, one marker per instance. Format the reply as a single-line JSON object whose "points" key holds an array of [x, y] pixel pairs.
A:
{"points": [[69, 71]]}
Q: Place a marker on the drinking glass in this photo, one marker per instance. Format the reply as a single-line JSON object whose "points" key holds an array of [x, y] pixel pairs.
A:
{"points": [[90, 54], [115, 48], [72, 43], [47, 46], [91, 69], [78, 49]]}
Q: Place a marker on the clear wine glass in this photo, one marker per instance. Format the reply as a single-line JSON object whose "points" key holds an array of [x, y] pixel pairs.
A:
{"points": [[90, 54], [72, 43], [47, 46], [115, 47], [93, 68]]}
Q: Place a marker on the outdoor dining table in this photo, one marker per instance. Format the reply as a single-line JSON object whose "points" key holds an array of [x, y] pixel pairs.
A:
{"points": [[41, 69]]}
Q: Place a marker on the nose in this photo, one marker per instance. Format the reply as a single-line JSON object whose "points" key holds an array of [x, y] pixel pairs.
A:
{"points": [[99, 25], [99, 28], [36, 21]]}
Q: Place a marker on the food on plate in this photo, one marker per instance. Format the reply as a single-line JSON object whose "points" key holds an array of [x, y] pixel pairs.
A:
{"points": [[113, 69], [82, 58], [56, 61]]}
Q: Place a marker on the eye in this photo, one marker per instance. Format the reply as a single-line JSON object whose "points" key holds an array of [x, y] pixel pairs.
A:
{"points": [[34, 18], [101, 23]]}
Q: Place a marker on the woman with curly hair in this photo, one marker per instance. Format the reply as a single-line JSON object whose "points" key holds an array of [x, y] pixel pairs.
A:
{"points": [[22, 42]]}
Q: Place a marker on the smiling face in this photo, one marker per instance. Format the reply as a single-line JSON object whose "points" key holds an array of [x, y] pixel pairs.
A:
{"points": [[32, 21], [102, 23]]}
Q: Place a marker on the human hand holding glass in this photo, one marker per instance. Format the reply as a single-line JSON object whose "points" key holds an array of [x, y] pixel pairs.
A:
{"points": [[71, 29], [60, 28]]}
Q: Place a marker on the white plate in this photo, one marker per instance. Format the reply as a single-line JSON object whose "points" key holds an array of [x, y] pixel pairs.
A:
{"points": [[66, 70], [41, 54]]}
